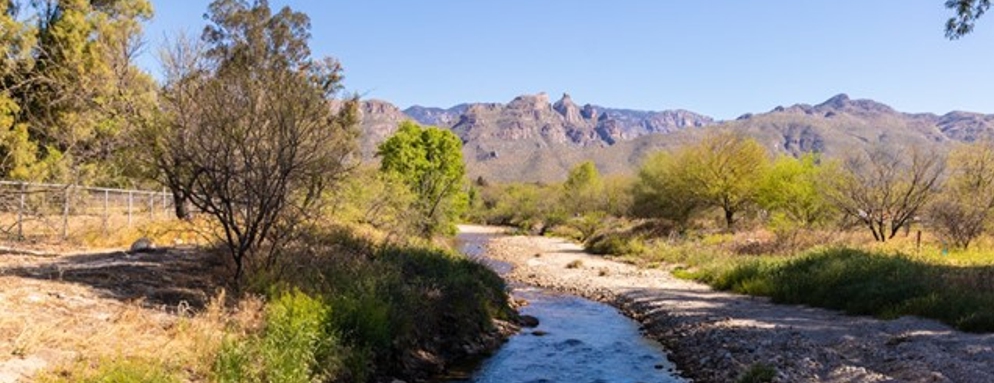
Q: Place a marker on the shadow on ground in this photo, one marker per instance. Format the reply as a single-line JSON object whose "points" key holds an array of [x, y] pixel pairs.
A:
{"points": [[165, 278]]}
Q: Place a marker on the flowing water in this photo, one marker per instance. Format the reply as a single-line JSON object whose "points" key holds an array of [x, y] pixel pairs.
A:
{"points": [[577, 340]]}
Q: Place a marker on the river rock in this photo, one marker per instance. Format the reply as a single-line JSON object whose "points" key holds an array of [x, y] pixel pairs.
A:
{"points": [[528, 321]]}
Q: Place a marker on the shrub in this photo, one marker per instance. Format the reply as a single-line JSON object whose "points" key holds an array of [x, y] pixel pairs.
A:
{"points": [[758, 373], [296, 345]]}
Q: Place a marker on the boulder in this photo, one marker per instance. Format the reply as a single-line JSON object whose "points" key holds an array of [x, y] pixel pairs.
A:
{"points": [[142, 245]]}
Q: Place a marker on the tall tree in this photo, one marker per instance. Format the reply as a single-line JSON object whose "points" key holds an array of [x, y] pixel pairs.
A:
{"points": [[791, 188], [17, 150], [583, 191], [429, 160], [724, 170], [663, 191], [81, 91], [249, 136]]}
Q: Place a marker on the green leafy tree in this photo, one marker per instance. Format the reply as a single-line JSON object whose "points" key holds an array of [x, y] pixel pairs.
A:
{"points": [[790, 191], [429, 160], [723, 171], [371, 197], [84, 90], [583, 191], [17, 150], [967, 12], [662, 190], [962, 210]]}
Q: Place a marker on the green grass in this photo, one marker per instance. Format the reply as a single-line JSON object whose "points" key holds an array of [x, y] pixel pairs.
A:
{"points": [[858, 282], [124, 370], [380, 304], [297, 345]]}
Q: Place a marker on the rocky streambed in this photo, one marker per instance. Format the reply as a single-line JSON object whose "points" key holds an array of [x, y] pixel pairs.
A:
{"points": [[716, 336]]}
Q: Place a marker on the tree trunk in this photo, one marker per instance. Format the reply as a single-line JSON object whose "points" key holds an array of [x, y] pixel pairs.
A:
{"points": [[180, 205], [729, 219]]}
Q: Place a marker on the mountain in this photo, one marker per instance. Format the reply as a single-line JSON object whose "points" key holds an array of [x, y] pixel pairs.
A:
{"points": [[436, 116], [379, 119], [533, 139]]}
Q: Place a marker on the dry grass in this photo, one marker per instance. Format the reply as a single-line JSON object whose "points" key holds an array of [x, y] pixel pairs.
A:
{"points": [[68, 328], [87, 233]]}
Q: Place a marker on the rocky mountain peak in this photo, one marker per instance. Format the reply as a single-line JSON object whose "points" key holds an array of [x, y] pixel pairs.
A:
{"points": [[843, 103], [568, 109], [378, 107], [536, 102], [838, 101]]}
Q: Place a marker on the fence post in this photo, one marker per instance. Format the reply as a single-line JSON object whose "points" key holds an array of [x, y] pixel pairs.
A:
{"points": [[151, 206], [130, 204], [20, 212], [65, 214], [106, 211], [165, 203]]}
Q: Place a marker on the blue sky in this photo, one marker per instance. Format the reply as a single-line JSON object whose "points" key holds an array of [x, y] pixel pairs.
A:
{"points": [[720, 58]]}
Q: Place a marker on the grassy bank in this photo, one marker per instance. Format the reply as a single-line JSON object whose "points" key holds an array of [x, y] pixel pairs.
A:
{"points": [[340, 307], [882, 280]]}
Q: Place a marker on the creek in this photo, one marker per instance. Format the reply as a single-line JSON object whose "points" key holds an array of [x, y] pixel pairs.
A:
{"points": [[576, 341]]}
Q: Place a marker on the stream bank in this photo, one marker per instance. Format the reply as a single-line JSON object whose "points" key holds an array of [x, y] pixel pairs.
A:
{"points": [[716, 336]]}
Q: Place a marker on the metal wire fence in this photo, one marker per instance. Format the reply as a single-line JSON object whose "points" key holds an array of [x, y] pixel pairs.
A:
{"points": [[44, 211]]}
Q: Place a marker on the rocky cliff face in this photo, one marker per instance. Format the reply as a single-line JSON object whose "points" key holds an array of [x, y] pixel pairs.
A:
{"points": [[379, 119], [532, 117]]}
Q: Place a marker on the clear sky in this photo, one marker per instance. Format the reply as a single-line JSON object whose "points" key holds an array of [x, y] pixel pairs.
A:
{"points": [[720, 58]]}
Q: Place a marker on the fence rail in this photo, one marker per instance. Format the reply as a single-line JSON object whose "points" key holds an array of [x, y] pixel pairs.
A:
{"points": [[31, 210]]}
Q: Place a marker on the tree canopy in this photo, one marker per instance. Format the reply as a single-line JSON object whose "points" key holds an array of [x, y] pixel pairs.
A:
{"points": [[248, 135], [429, 160], [967, 12], [70, 92]]}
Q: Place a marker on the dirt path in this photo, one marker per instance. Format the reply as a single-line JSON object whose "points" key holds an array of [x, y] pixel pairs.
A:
{"points": [[715, 336]]}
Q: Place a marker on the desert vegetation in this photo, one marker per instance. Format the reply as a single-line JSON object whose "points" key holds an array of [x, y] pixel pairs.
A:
{"points": [[887, 232], [306, 264]]}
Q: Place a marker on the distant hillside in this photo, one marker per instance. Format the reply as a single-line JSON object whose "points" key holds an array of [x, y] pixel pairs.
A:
{"points": [[528, 138], [531, 139]]}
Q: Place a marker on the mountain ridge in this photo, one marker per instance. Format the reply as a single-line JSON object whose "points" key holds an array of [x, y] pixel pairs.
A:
{"points": [[532, 138]]}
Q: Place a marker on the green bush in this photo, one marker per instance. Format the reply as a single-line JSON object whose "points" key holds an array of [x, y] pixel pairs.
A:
{"points": [[296, 345], [615, 243], [758, 373]]}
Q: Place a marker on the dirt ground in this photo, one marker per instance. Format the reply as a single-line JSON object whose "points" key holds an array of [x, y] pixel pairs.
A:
{"points": [[57, 310], [716, 336]]}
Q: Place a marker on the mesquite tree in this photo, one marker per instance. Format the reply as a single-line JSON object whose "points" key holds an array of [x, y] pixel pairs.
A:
{"points": [[249, 137], [884, 188]]}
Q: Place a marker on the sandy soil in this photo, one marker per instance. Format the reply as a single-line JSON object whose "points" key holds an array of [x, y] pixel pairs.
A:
{"points": [[716, 336]]}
